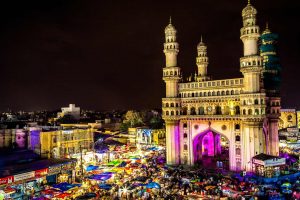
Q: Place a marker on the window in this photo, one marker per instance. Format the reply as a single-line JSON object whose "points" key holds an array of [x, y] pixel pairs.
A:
{"points": [[185, 147], [249, 112], [237, 127], [237, 138], [185, 125], [193, 111], [184, 111], [237, 110], [185, 135], [238, 151]]}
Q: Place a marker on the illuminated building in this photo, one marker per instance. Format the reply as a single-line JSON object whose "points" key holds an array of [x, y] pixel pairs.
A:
{"points": [[204, 115], [71, 110], [147, 136], [288, 118], [64, 143]]}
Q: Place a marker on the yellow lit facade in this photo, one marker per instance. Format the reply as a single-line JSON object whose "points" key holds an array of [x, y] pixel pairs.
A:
{"points": [[288, 118], [63, 143], [237, 109]]}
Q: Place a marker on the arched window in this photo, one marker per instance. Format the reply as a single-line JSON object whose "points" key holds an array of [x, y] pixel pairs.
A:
{"points": [[218, 93], [193, 111], [256, 112], [213, 93], [184, 111], [237, 138], [167, 112], [171, 73], [172, 104], [232, 92], [238, 151], [204, 94], [249, 112], [200, 94], [185, 125], [223, 93], [244, 112], [209, 94], [218, 110], [185, 147], [185, 135], [172, 112], [244, 102], [237, 110], [175, 73], [167, 104], [193, 94], [176, 112], [227, 92], [237, 127], [256, 101], [201, 110]]}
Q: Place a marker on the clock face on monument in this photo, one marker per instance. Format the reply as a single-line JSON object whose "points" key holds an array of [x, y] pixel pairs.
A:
{"points": [[209, 108]]}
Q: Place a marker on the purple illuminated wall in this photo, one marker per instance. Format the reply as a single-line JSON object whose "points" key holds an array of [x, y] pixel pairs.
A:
{"points": [[207, 144], [35, 139]]}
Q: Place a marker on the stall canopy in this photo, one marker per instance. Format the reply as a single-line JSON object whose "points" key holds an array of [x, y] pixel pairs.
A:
{"points": [[65, 186], [153, 185], [101, 177], [123, 164], [91, 168], [105, 186]]}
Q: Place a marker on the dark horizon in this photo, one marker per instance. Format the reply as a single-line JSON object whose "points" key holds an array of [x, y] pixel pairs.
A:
{"points": [[104, 55]]}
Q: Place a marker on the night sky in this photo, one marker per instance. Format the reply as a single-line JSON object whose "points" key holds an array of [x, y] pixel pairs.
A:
{"points": [[107, 54]]}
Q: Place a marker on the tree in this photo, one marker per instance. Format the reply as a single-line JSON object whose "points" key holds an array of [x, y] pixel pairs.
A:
{"points": [[67, 119], [133, 118]]}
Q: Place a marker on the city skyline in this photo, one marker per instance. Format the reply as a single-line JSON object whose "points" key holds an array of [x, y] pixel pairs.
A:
{"points": [[104, 55]]}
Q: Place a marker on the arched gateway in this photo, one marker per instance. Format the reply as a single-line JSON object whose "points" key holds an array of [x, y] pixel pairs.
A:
{"points": [[201, 113], [211, 149]]}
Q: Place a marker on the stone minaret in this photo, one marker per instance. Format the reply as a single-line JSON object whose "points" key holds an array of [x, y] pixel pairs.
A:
{"points": [[171, 104], [202, 61], [252, 99], [251, 63]]}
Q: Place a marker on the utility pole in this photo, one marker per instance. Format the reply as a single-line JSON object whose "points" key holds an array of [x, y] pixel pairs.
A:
{"points": [[81, 164]]}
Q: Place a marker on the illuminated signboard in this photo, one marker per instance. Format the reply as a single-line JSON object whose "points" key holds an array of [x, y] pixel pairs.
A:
{"points": [[6, 180], [41, 172], [24, 176]]}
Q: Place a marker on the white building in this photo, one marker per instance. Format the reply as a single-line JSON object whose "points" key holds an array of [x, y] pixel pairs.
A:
{"points": [[71, 110]]}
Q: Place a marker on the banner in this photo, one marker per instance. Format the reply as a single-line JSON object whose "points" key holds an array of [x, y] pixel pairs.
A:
{"points": [[41, 173], [24, 176], [6, 180]]}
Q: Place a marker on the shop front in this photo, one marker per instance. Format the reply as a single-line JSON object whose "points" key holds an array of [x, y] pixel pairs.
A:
{"points": [[267, 165]]}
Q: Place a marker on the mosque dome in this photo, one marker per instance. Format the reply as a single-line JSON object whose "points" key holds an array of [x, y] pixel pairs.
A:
{"points": [[249, 10], [170, 28], [201, 44]]}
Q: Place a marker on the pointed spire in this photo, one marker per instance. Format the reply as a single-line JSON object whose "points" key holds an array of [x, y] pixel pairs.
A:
{"points": [[201, 39], [249, 2], [267, 30], [170, 21]]}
